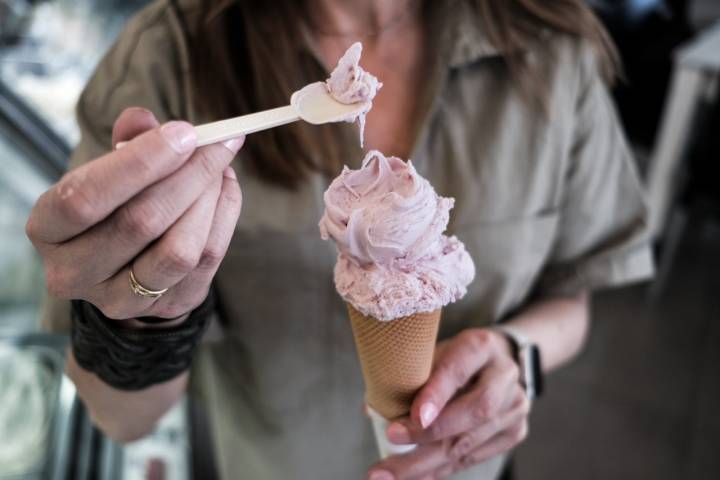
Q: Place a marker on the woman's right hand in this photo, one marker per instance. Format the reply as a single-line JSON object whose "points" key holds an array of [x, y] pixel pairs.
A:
{"points": [[159, 205]]}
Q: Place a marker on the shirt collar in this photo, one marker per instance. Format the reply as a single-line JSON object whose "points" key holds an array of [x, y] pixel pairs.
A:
{"points": [[470, 44]]}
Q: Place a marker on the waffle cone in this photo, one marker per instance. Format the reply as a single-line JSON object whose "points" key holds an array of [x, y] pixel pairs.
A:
{"points": [[395, 356]]}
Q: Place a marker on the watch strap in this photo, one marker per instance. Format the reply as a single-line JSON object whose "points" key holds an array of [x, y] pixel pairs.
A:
{"points": [[527, 356]]}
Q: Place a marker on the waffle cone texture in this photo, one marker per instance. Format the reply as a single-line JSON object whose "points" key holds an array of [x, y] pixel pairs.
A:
{"points": [[395, 356]]}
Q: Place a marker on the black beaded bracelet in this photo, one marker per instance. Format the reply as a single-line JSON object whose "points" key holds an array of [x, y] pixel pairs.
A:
{"points": [[134, 359]]}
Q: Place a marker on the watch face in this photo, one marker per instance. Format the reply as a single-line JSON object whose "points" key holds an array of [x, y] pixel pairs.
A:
{"points": [[537, 372]]}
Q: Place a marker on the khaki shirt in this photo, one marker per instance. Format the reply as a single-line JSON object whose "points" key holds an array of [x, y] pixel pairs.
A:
{"points": [[546, 205]]}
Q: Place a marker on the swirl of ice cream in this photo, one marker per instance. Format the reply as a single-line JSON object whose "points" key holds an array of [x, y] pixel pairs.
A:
{"points": [[349, 83], [387, 223], [383, 212]]}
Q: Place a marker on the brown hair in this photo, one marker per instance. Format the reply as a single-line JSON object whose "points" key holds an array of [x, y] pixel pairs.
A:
{"points": [[248, 56]]}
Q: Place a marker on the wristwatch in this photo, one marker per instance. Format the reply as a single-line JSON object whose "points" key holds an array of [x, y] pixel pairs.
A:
{"points": [[527, 356]]}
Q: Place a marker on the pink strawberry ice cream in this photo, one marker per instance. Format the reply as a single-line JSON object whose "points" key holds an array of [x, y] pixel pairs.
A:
{"points": [[387, 223], [349, 83]]}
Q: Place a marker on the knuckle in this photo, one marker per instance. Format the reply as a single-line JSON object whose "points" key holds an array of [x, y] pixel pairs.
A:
{"points": [[474, 340], [482, 336], [211, 257], [468, 336], [208, 161], [463, 446], [178, 258], [140, 221], [485, 407], [72, 199], [32, 228], [479, 412]]}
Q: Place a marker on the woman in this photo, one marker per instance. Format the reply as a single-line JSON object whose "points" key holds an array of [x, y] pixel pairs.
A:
{"points": [[500, 104]]}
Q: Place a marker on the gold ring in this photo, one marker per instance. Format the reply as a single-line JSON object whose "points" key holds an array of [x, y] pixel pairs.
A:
{"points": [[141, 291]]}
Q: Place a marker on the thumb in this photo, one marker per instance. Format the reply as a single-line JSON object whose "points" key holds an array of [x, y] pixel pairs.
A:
{"points": [[132, 122]]}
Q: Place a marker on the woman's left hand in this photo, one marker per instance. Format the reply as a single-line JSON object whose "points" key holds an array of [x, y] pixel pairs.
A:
{"points": [[471, 409]]}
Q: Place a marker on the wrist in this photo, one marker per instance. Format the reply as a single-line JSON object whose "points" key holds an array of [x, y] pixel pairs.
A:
{"points": [[503, 344], [135, 358], [527, 356]]}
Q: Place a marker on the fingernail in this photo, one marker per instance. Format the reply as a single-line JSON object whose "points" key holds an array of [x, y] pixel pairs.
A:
{"points": [[140, 110], [230, 173], [234, 144], [180, 136], [398, 433], [428, 413], [381, 475]]}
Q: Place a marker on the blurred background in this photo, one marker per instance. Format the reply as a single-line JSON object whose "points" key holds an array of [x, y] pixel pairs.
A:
{"points": [[640, 403]]}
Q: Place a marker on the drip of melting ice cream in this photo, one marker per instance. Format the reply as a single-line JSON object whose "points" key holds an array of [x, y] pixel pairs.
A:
{"points": [[387, 223], [349, 83]]}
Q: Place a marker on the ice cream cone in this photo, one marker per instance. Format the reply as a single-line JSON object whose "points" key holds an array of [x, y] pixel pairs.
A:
{"points": [[395, 264], [396, 357]]}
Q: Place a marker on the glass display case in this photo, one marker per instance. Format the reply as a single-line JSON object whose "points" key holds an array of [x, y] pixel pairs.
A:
{"points": [[48, 50], [33, 157]]}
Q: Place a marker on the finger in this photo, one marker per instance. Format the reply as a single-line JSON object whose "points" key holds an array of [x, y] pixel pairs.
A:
{"points": [[483, 402], [165, 263], [500, 443], [192, 290], [148, 215], [178, 251], [132, 122], [473, 439], [91, 192], [467, 353], [415, 464]]}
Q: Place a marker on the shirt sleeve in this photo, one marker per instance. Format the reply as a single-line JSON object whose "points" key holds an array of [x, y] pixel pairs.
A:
{"points": [[603, 236], [142, 69]]}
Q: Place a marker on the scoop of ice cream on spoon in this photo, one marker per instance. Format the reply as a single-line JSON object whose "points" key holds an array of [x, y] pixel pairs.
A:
{"points": [[346, 96], [350, 84]]}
